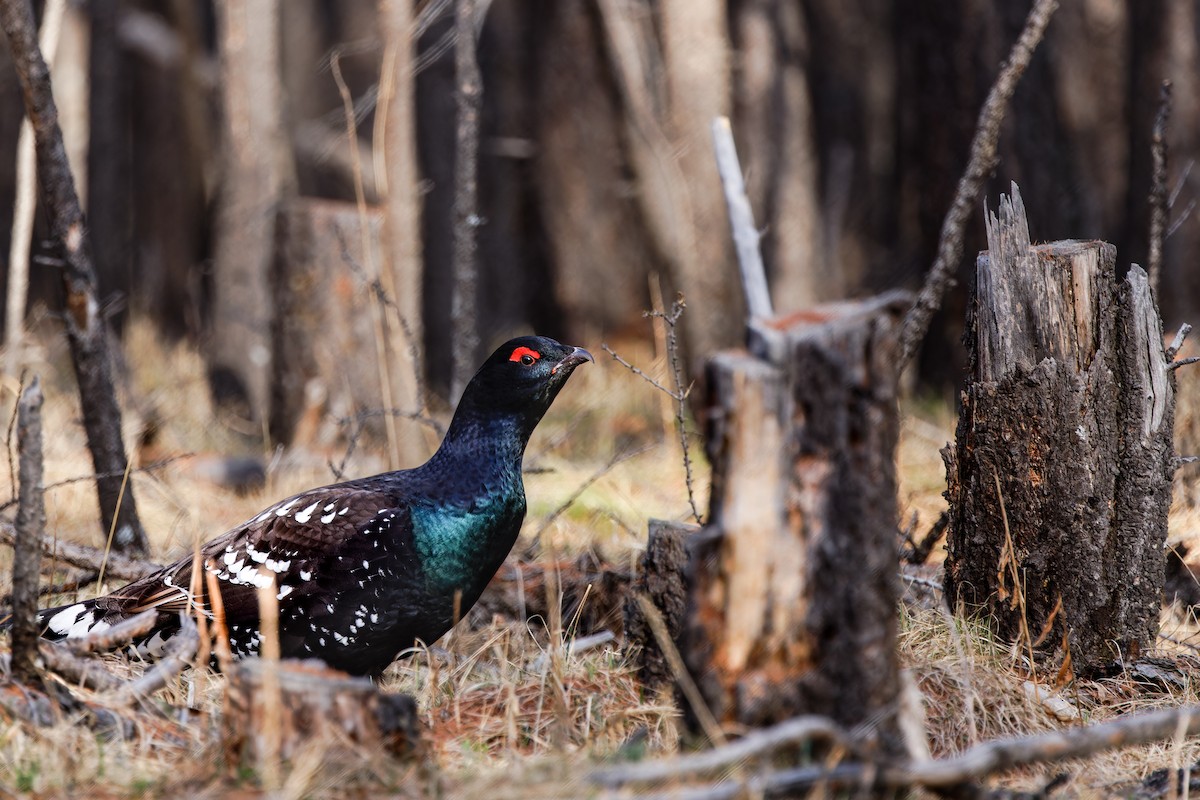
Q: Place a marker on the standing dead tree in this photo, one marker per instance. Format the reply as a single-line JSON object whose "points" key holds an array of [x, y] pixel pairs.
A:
{"points": [[86, 330], [1060, 477]]}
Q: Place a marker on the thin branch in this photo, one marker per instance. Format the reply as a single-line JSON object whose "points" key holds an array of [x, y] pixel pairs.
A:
{"points": [[679, 395], [619, 458], [983, 158], [162, 462], [741, 221], [975, 764], [86, 557], [1174, 365], [1158, 186], [179, 651], [31, 522], [752, 745], [1177, 342], [117, 636], [86, 672]]}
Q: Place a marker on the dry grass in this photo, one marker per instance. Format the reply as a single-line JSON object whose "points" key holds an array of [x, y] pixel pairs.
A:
{"points": [[505, 714]]}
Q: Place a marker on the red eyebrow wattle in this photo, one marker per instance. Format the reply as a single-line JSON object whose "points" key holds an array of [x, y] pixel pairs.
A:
{"points": [[521, 352]]}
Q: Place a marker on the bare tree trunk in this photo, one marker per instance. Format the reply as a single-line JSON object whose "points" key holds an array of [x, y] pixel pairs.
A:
{"points": [[464, 302], [1060, 477], [110, 199], [257, 174], [86, 330], [696, 61], [402, 213]]}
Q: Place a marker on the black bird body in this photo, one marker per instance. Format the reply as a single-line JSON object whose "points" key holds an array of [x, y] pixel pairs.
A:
{"points": [[366, 568]]}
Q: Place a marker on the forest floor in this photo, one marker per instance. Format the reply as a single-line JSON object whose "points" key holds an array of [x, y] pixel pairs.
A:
{"points": [[503, 716]]}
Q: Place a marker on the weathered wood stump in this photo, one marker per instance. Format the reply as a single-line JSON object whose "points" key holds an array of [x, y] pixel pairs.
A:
{"points": [[318, 711], [1059, 481], [793, 586], [661, 579]]}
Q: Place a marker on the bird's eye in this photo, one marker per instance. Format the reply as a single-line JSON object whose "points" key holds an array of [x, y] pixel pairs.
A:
{"points": [[525, 355]]}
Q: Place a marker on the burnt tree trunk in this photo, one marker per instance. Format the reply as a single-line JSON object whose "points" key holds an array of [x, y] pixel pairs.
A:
{"points": [[792, 601], [1060, 479]]}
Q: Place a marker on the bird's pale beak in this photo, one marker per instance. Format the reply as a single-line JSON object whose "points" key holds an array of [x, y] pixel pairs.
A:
{"points": [[576, 357]]}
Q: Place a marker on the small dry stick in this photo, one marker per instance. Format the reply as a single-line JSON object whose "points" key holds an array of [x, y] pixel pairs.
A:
{"points": [[757, 743], [983, 157], [118, 635], [31, 520], [87, 557], [80, 671], [1177, 342], [1158, 186], [687, 685], [180, 649], [679, 395], [268, 624], [741, 221], [974, 764]]}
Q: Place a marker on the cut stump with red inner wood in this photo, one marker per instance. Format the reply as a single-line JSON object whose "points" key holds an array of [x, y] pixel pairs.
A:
{"points": [[793, 586], [1059, 480]]}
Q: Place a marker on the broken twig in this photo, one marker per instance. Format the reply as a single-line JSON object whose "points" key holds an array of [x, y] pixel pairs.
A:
{"points": [[983, 157]]}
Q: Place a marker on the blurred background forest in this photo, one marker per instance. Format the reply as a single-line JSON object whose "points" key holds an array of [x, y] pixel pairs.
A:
{"points": [[218, 147]]}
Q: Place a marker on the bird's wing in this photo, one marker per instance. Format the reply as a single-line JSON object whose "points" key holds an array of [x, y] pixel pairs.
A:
{"points": [[291, 545]]}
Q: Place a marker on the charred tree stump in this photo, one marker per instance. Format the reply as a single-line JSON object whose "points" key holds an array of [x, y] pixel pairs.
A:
{"points": [[1060, 478], [661, 579], [793, 588], [321, 712]]}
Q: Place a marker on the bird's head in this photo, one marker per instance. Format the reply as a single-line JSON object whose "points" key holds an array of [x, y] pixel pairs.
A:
{"points": [[524, 375]]}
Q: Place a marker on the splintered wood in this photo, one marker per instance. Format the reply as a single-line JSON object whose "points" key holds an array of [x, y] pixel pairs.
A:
{"points": [[1060, 478], [793, 585]]}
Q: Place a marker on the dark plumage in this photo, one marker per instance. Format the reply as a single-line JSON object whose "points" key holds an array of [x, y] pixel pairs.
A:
{"points": [[364, 569]]}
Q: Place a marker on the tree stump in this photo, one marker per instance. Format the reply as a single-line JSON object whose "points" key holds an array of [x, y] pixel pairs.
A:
{"points": [[320, 711], [793, 588], [1059, 482], [661, 579]]}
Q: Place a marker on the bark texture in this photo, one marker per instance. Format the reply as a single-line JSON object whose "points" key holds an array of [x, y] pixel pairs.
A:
{"points": [[1059, 481], [321, 713], [86, 329], [792, 595], [662, 579]]}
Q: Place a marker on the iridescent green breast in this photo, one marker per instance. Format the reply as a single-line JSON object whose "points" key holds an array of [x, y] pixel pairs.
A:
{"points": [[462, 548]]}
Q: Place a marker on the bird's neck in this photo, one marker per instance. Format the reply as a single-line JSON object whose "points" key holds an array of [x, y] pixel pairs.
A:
{"points": [[482, 453]]}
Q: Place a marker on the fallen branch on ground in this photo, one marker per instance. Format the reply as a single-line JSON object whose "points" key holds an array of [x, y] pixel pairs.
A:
{"points": [[179, 651], [974, 764], [85, 557]]}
